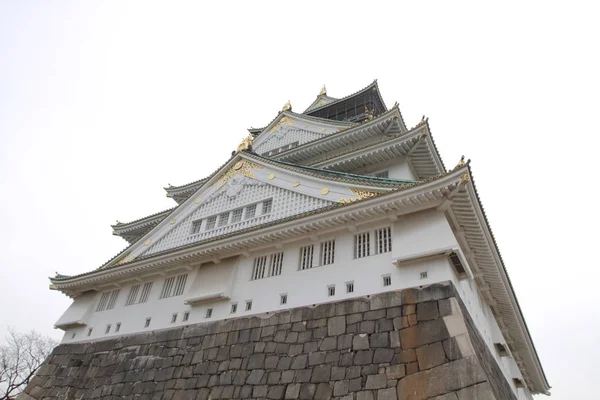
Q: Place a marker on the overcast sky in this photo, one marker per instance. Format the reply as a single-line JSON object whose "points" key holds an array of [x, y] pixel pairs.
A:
{"points": [[102, 104]]}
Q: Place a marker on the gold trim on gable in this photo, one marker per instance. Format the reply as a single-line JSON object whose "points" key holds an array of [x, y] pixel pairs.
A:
{"points": [[242, 167]]}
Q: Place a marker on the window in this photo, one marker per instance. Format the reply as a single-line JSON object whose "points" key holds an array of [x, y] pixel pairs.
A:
{"points": [[518, 383], [383, 240], [331, 290], [327, 252], [209, 313], [174, 318], [133, 292], [349, 287], [186, 316], [236, 215], [248, 305], [501, 349], [196, 226], [118, 327], [107, 329], [233, 308], [108, 300], [382, 174], [250, 211], [362, 245], [276, 264], [224, 219], [211, 222], [387, 280], [258, 271], [424, 275], [90, 331], [267, 206], [173, 286], [283, 299], [306, 257], [73, 336], [147, 324], [145, 292]]}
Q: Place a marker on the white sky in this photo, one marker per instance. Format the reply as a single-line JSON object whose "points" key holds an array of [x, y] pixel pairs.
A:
{"points": [[102, 104]]}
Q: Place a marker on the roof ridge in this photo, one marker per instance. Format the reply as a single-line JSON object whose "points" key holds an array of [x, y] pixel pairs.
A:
{"points": [[371, 85], [121, 224]]}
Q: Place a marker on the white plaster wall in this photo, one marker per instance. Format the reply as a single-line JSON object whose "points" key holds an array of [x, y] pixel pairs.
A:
{"points": [[397, 169]]}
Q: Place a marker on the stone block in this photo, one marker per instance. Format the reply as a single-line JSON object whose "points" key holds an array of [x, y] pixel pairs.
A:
{"points": [[336, 326], [363, 357], [340, 388], [299, 362], [307, 391], [447, 396], [431, 355], [321, 373], [377, 381], [379, 340], [385, 355], [427, 311], [360, 342], [324, 391], [316, 358], [424, 333], [276, 392], [412, 368], [292, 391], [445, 378], [395, 371], [387, 394], [255, 377], [256, 361], [365, 395]]}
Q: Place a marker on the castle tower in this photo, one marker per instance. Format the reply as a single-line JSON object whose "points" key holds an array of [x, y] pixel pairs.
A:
{"points": [[332, 256]]}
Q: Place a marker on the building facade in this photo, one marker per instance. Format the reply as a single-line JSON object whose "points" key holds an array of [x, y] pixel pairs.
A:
{"points": [[341, 201]]}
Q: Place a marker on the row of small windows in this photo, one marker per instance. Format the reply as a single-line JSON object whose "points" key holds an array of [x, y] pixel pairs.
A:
{"points": [[281, 149], [382, 242], [231, 217]]}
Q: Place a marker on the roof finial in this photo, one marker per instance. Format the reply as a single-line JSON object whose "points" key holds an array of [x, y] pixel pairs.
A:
{"points": [[461, 163], [323, 90], [246, 144], [422, 121], [287, 106], [369, 113]]}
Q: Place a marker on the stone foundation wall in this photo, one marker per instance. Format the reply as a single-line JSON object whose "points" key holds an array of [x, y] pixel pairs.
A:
{"points": [[410, 344]]}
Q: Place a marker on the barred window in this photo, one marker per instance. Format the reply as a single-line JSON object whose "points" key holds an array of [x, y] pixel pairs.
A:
{"points": [[283, 299], [186, 316], [107, 329], [267, 206], [236, 215], [276, 264], [108, 300], [306, 257], [145, 292], [349, 287], [233, 308], [224, 219], [174, 318], [259, 268], [118, 327], [250, 211], [382, 174], [90, 331], [383, 240], [362, 245], [133, 292], [387, 280], [103, 301], [173, 286], [147, 324], [211, 222], [331, 290], [196, 225], [248, 305], [209, 313], [327, 252]]}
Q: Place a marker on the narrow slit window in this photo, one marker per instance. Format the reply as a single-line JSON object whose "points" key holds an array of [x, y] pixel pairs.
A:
{"points": [[211, 222], [383, 240], [424, 275], [306, 257], [250, 211], [349, 287], [387, 280], [209, 313], [233, 308], [196, 226], [107, 329], [267, 206], [73, 336], [248, 305], [327, 252], [147, 324], [283, 299], [331, 290], [186, 316], [90, 331], [174, 318], [362, 245], [118, 327], [276, 264]]}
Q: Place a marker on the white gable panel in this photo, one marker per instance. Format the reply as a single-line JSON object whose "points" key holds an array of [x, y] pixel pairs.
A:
{"points": [[239, 193], [284, 138]]}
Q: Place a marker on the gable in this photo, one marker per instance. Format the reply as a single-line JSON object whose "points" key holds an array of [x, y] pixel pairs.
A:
{"points": [[289, 131]]}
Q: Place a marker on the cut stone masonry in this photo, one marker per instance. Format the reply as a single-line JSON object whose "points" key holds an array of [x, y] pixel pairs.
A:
{"points": [[406, 345]]}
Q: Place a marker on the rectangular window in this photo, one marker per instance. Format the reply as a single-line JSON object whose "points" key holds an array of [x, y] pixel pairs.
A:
{"points": [[267, 206], [248, 305], [147, 324], [108, 300], [196, 226], [250, 211], [114, 295], [118, 327], [283, 299], [362, 245], [327, 252], [236, 215], [258, 270], [306, 257], [233, 308], [103, 301], [145, 292], [387, 280], [331, 290], [211, 222], [424, 275], [382, 174], [349, 287], [383, 240], [209, 313], [276, 264], [73, 336], [224, 219], [174, 318], [173, 286], [107, 329], [90, 331], [133, 292], [186, 316]]}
